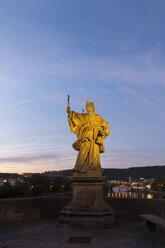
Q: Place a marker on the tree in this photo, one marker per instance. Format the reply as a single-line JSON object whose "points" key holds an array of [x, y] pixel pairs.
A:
{"points": [[39, 184], [158, 184], [60, 184]]}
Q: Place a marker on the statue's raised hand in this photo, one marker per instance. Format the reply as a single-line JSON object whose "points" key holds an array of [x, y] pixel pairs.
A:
{"points": [[68, 110]]}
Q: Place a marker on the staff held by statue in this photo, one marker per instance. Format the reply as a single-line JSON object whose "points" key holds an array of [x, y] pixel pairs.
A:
{"points": [[68, 107]]}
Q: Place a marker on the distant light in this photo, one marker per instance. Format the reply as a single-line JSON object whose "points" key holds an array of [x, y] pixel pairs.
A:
{"points": [[149, 196]]}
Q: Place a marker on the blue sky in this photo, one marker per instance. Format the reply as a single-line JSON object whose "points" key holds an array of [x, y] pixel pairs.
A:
{"points": [[113, 51]]}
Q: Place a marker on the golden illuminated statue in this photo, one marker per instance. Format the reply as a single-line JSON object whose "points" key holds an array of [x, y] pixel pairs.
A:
{"points": [[91, 130]]}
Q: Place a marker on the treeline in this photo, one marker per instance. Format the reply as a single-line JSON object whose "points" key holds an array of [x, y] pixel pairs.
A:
{"points": [[136, 172], [61, 173], [37, 185], [147, 172]]}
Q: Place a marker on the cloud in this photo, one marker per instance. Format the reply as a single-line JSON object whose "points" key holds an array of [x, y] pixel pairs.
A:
{"points": [[20, 103], [128, 91], [27, 158], [113, 158], [60, 98], [139, 99], [37, 162], [133, 69], [55, 97], [30, 158], [125, 158]]}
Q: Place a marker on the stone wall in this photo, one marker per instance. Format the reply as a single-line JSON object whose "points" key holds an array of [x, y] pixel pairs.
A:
{"points": [[28, 209], [132, 208]]}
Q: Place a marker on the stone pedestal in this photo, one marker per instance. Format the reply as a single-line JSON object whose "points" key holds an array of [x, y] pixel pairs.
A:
{"points": [[87, 207]]}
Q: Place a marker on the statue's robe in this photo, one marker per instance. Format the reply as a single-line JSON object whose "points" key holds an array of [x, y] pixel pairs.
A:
{"points": [[91, 130]]}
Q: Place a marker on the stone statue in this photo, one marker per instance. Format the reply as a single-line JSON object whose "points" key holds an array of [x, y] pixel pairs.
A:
{"points": [[87, 207], [91, 130]]}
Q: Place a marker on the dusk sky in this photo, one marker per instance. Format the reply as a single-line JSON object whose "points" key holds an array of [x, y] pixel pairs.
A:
{"points": [[111, 50]]}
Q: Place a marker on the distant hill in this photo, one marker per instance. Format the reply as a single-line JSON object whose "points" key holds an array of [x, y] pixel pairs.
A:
{"points": [[62, 173], [136, 172], [147, 172]]}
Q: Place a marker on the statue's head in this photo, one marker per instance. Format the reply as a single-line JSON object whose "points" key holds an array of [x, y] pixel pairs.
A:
{"points": [[90, 107]]}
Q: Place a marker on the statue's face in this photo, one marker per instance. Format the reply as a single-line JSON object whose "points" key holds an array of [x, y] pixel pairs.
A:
{"points": [[89, 108]]}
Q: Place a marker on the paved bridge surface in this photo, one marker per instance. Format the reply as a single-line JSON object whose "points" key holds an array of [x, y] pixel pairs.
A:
{"points": [[48, 234]]}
